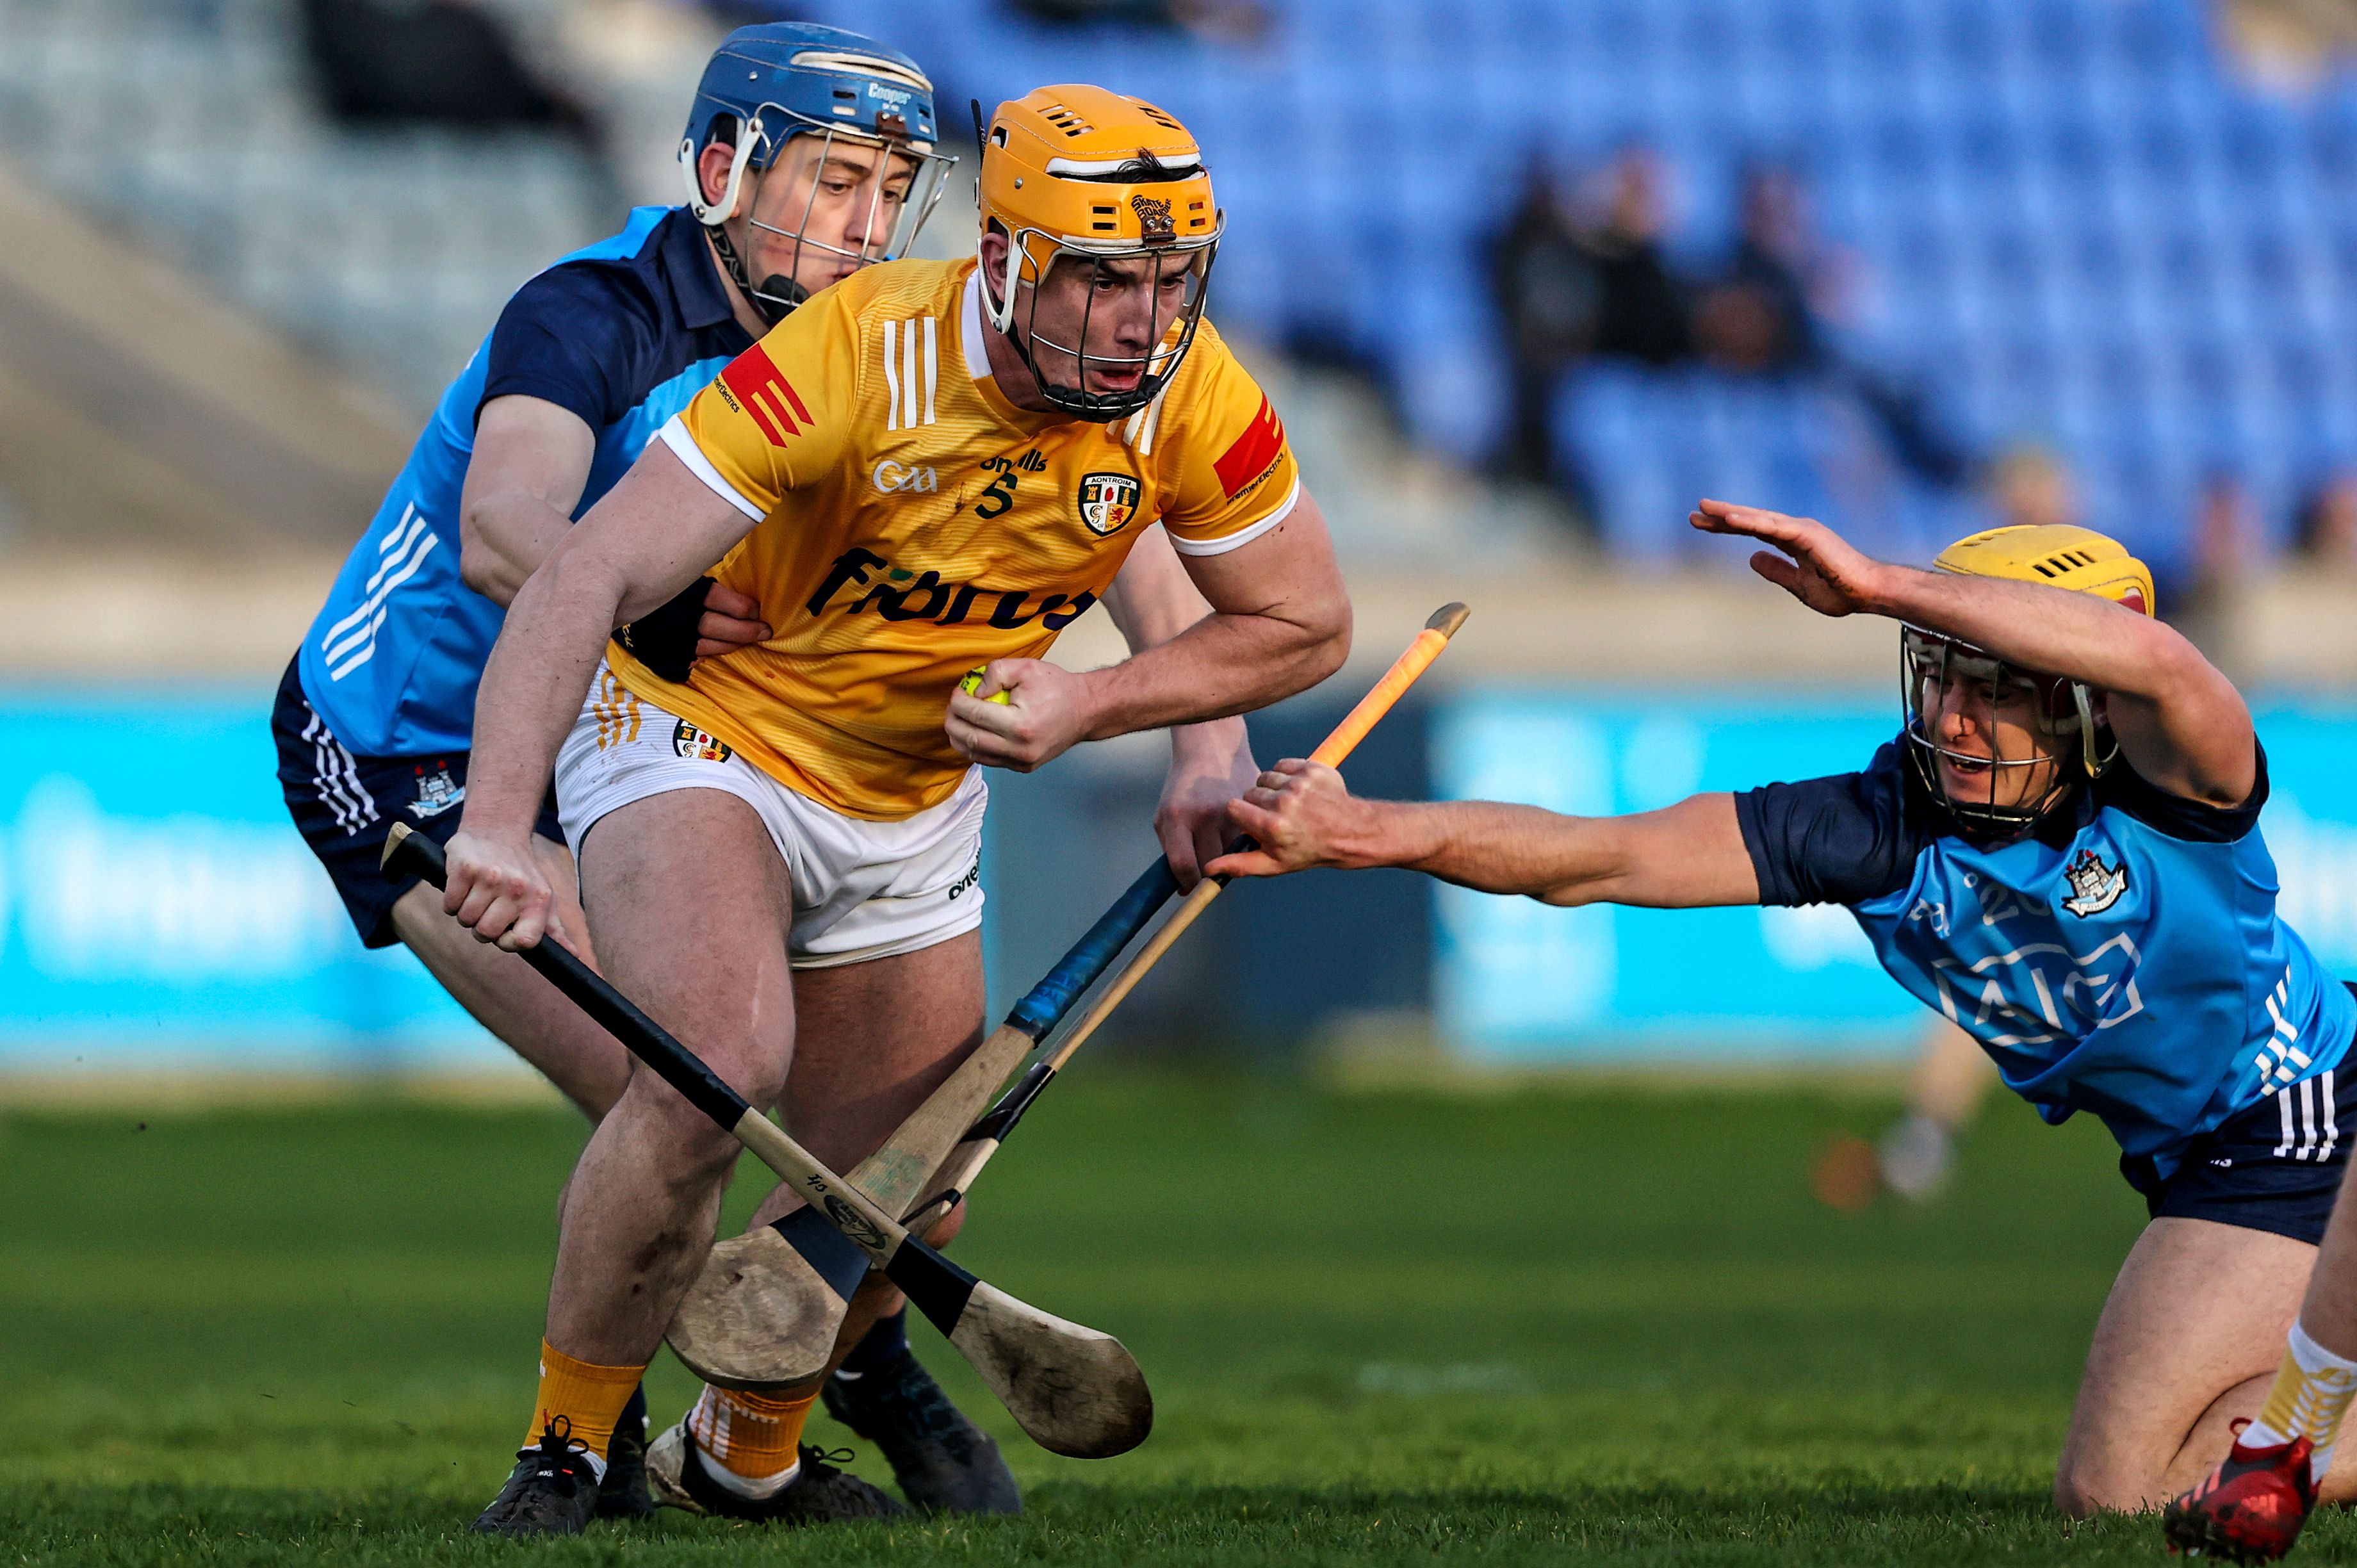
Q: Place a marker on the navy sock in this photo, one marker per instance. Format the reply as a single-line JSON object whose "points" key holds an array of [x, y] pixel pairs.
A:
{"points": [[634, 1414], [886, 1343]]}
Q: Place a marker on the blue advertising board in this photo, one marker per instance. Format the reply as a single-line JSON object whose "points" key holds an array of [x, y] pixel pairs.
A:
{"points": [[1518, 981], [157, 907]]}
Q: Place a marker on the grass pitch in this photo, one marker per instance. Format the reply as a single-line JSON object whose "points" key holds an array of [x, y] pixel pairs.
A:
{"points": [[1389, 1327]]}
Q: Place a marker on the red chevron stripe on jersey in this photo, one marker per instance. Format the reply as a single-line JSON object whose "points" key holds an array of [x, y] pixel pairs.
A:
{"points": [[1252, 453], [765, 395]]}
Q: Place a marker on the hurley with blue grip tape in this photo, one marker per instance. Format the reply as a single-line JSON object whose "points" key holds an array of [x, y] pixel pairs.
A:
{"points": [[761, 1316]]}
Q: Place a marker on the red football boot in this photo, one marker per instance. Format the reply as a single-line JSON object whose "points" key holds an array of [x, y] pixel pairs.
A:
{"points": [[2252, 1506]]}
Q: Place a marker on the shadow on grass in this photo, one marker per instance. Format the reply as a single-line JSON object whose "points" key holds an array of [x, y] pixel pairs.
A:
{"points": [[1834, 1522]]}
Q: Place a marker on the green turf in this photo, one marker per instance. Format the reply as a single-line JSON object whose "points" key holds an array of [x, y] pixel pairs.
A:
{"points": [[1391, 1327]]}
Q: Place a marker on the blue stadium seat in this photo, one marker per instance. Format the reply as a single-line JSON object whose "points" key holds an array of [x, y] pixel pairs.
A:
{"points": [[2076, 219]]}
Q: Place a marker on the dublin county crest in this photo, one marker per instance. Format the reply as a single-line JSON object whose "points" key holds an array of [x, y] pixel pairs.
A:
{"points": [[2094, 887], [436, 791], [1107, 502]]}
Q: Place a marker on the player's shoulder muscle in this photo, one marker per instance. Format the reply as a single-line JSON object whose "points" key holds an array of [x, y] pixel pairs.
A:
{"points": [[582, 335], [1236, 472], [1844, 839], [2121, 787]]}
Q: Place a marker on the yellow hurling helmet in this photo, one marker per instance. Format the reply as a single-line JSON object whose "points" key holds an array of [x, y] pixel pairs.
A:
{"points": [[1080, 171], [2055, 556]]}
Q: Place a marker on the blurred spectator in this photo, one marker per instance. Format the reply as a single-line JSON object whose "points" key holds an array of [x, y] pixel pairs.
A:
{"points": [[429, 61], [2029, 488], [1546, 283], [1641, 305], [1760, 314], [1219, 21], [2325, 533], [2207, 602], [1766, 313]]}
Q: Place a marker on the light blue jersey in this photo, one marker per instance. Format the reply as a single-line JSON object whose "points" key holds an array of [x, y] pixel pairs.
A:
{"points": [[623, 333], [2127, 959]]}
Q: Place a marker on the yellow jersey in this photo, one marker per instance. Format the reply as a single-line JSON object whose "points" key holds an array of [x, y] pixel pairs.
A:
{"points": [[911, 523]]}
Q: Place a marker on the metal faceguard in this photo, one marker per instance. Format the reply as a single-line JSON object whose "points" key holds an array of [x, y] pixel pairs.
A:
{"points": [[1082, 172], [1156, 367], [1928, 662], [885, 104]]}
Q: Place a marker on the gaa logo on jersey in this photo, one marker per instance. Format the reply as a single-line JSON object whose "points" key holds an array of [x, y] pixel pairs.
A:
{"points": [[1107, 502], [699, 745]]}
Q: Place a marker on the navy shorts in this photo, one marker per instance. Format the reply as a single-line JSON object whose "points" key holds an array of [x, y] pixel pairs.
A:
{"points": [[2276, 1166], [343, 805]]}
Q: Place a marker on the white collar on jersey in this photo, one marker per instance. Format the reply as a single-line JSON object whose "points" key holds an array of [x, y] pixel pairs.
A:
{"points": [[970, 342]]}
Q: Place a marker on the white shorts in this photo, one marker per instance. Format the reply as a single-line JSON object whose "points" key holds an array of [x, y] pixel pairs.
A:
{"points": [[862, 890]]}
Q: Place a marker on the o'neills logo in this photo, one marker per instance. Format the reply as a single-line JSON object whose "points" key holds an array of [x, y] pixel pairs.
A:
{"points": [[897, 593]]}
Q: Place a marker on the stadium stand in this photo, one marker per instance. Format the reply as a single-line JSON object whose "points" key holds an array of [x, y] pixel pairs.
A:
{"points": [[191, 124], [179, 423], [2074, 224], [2076, 218]]}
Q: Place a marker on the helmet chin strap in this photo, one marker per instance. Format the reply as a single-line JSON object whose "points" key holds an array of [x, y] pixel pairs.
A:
{"points": [[777, 295]]}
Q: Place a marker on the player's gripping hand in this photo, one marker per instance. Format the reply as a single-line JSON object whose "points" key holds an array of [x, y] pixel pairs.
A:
{"points": [[1299, 814], [731, 620], [1046, 710], [1811, 562], [1211, 765], [496, 888]]}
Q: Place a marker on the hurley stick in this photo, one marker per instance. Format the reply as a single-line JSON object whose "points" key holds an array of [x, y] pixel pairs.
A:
{"points": [[983, 1138], [1075, 1389], [764, 1310]]}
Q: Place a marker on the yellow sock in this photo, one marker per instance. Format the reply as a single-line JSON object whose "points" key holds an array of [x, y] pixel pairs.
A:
{"points": [[2310, 1396], [753, 1437], [589, 1397]]}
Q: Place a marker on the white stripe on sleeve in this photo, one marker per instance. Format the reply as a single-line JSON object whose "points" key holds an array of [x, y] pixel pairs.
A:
{"points": [[1241, 537], [683, 446]]}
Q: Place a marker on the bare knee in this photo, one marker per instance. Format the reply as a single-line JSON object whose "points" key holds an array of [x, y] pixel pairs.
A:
{"points": [[2082, 1489], [686, 1148], [942, 1231]]}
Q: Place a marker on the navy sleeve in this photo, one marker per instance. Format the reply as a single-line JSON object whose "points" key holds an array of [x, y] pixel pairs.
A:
{"points": [[2190, 821], [1842, 840], [581, 336]]}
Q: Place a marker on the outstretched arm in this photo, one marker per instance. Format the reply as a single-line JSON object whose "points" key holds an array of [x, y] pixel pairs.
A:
{"points": [[1684, 856], [2181, 723]]}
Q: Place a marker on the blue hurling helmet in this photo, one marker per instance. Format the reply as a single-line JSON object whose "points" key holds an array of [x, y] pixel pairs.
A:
{"points": [[769, 83]]}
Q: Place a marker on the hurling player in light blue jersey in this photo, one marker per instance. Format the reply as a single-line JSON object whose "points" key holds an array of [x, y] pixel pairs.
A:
{"points": [[2059, 851], [809, 154]]}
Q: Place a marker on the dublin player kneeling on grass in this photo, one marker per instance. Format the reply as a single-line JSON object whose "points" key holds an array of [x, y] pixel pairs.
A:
{"points": [[2060, 851]]}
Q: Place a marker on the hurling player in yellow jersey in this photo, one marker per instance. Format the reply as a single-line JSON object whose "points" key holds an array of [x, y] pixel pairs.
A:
{"points": [[926, 467]]}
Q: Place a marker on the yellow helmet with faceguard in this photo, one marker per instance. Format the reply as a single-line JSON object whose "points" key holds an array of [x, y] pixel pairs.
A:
{"points": [[2055, 556], [1082, 172], [2059, 555]]}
